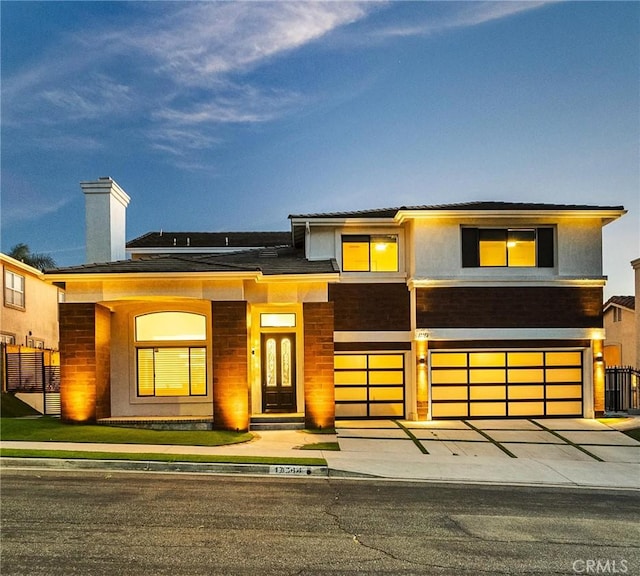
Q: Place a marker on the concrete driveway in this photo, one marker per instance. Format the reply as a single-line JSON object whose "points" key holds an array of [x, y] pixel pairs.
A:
{"points": [[550, 439], [567, 452]]}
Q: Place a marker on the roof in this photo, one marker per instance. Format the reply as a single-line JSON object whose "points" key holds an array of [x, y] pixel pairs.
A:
{"points": [[462, 206], [628, 302], [163, 239], [272, 261]]}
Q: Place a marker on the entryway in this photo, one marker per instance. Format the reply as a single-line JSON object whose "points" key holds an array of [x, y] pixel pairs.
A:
{"points": [[278, 372]]}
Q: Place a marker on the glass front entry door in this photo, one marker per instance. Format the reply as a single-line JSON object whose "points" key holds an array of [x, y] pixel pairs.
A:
{"points": [[278, 372]]}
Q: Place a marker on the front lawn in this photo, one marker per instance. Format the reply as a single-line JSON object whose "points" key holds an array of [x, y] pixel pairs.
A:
{"points": [[47, 429]]}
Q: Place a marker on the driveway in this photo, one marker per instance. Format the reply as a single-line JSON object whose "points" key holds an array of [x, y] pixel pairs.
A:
{"points": [[575, 439], [562, 452]]}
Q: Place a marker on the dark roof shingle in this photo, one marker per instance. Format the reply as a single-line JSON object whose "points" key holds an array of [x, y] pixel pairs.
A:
{"points": [[270, 262], [623, 301], [210, 239], [480, 206]]}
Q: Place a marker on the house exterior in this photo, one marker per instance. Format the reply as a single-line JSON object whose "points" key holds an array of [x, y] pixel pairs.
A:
{"points": [[620, 345], [29, 335], [474, 310]]}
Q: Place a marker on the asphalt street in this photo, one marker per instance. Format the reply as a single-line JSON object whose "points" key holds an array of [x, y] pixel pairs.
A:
{"points": [[104, 522]]}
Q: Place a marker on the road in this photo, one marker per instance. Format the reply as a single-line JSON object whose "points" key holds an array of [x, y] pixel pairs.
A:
{"points": [[118, 523]]}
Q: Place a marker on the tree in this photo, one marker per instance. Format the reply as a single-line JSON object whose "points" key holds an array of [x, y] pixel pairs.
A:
{"points": [[23, 253]]}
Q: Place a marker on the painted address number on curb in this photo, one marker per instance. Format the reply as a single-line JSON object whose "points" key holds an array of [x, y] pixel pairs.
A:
{"points": [[290, 470]]}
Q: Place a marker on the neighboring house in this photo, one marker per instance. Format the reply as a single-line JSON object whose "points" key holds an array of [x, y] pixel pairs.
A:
{"points": [[474, 310], [28, 333], [620, 344]]}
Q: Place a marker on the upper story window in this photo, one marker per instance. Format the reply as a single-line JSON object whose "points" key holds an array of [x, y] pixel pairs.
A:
{"points": [[364, 253], [507, 247], [617, 314], [13, 289]]}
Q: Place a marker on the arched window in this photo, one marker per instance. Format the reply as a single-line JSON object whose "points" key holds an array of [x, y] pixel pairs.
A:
{"points": [[179, 366]]}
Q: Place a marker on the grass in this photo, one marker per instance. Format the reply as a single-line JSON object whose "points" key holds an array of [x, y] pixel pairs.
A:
{"points": [[634, 433], [321, 446], [12, 407], [152, 457], [47, 429]]}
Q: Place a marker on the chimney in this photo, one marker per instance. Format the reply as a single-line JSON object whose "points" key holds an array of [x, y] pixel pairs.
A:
{"points": [[105, 213]]}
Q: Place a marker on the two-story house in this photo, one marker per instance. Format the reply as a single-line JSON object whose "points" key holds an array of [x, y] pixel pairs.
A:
{"points": [[474, 310]]}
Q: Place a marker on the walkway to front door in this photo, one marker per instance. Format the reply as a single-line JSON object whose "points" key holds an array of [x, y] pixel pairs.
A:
{"points": [[278, 372]]}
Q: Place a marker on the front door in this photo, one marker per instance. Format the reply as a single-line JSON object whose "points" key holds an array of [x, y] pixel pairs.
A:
{"points": [[278, 372]]}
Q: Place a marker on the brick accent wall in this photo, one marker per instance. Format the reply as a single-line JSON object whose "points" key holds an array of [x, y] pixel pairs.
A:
{"points": [[319, 397], [85, 373], [509, 307], [230, 369], [367, 307]]}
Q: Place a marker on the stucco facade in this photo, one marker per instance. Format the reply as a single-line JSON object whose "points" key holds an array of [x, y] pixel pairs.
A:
{"points": [[395, 313]]}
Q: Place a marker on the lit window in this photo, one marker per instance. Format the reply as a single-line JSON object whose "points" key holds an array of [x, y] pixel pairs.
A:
{"points": [[13, 289], [287, 320], [164, 326], [172, 372], [176, 368], [370, 253], [507, 247]]}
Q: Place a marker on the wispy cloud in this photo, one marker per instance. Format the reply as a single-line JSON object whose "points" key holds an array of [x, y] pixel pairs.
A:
{"points": [[459, 15], [182, 67], [178, 72]]}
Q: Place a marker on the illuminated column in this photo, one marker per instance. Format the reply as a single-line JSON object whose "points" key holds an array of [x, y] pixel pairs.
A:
{"points": [[230, 366], [598, 376], [85, 379], [319, 395], [422, 381]]}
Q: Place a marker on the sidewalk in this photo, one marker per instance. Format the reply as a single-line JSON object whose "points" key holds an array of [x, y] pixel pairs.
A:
{"points": [[572, 452]]}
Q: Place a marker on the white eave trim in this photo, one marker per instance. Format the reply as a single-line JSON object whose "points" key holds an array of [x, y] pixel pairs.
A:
{"points": [[345, 220], [520, 281], [509, 334], [606, 215], [125, 276]]}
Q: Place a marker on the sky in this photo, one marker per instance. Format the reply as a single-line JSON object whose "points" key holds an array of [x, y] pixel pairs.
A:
{"points": [[229, 116]]}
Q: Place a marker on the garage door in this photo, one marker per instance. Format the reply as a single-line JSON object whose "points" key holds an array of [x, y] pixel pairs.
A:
{"points": [[369, 385], [500, 383]]}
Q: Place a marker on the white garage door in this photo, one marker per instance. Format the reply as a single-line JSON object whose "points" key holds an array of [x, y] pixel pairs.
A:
{"points": [[369, 385], [501, 383]]}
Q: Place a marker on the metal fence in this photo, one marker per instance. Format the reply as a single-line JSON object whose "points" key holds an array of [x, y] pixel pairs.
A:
{"points": [[32, 370], [622, 389]]}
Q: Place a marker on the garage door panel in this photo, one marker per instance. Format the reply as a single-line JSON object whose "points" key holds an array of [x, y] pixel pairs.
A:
{"points": [[450, 410], [525, 392], [487, 392], [523, 375], [351, 410], [563, 408], [449, 377], [487, 376], [395, 410], [487, 409], [450, 393], [564, 392], [526, 409]]}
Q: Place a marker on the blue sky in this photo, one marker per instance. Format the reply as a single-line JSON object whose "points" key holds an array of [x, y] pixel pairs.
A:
{"points": [[230, 116]]}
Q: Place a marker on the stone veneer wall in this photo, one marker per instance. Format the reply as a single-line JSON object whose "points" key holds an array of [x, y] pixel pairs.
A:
{"points": [[509, 307], [371, 307], [230, 368], [85, 373], [319, 397]]}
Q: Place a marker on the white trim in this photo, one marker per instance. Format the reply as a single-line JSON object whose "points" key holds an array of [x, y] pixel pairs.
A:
{"points": [[606, 215], [398, 336], [509, 334], [518, 281]]}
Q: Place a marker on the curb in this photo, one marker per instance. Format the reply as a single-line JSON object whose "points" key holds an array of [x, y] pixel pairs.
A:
{"points": [[287, 470]]}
